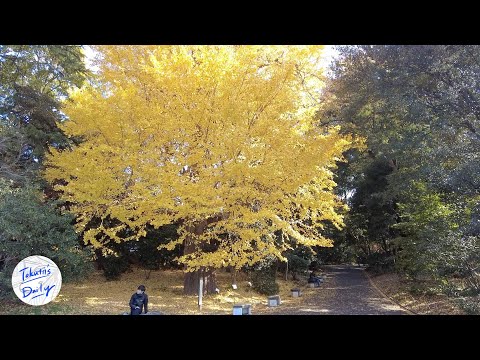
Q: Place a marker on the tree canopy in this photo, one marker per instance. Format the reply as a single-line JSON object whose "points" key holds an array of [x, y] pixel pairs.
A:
{"points": [[415, 198], [33, 79], [221, 139]]}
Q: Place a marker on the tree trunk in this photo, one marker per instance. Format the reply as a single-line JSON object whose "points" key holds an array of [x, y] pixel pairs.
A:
{"points": [[385, 246], [191, 282], [191, 279]]}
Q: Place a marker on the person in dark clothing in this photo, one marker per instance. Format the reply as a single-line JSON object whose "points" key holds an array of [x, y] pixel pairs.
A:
{"points": [[139, 301], [314, 279]]}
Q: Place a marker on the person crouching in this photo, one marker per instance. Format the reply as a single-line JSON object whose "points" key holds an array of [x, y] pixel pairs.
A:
{"points": [[139, 301]]}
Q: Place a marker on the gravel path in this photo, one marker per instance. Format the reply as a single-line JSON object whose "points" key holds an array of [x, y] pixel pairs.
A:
{"points": [[346, 291]]}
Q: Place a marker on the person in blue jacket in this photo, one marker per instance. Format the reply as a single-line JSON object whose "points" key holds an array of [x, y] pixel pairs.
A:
{"points": [[314, 279], [139, 301]]}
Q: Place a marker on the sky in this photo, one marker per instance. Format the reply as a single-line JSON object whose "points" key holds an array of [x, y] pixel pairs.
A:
{"points": [[89, 55], [329, 53]]}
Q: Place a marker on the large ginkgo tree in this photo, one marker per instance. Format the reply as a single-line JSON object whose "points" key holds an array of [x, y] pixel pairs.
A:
{"points": [[219, 139]]}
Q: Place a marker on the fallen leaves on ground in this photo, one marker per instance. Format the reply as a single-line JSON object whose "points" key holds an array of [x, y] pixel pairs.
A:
{"points": [[97, 296], [398, 290]]}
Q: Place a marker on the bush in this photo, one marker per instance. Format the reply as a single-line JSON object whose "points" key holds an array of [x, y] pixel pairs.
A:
{"points": [[450, 289], [264, 283], [143, 252], [114, 266], [29, 227], [297, 265], [470, 305], [6, 291], [263, 278], [298, 261], [380, 262], [148, 255]]}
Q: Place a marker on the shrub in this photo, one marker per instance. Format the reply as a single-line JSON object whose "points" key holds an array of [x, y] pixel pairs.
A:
{"points": [[470, 305], [6, 291], [143, 252], [150, 257], [264, 283], [297, 265], [114, 266], [29, 227], [263, 277], [380, 262]]}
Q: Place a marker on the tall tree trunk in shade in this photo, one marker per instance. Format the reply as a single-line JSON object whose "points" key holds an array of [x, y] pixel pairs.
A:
{"points": [[192, 279]]}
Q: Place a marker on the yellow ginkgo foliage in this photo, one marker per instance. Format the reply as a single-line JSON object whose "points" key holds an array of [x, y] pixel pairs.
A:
{"points": [[220, 139]]}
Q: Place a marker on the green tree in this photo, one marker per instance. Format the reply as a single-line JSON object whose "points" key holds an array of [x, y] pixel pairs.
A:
{"points": [[28, 226], [425, 223], [33, 78], [418, 107]]}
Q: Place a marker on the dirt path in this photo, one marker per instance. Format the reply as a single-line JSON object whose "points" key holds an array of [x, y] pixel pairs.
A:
{"points": [[346, 291]]}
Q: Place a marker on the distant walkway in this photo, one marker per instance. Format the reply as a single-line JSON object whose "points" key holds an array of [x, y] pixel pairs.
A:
{"points": [[346, 291]]}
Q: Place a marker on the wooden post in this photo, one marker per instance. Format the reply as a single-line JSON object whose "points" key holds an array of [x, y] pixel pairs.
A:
{"points": [[234, 276], [200, 291], [286, 272]]}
